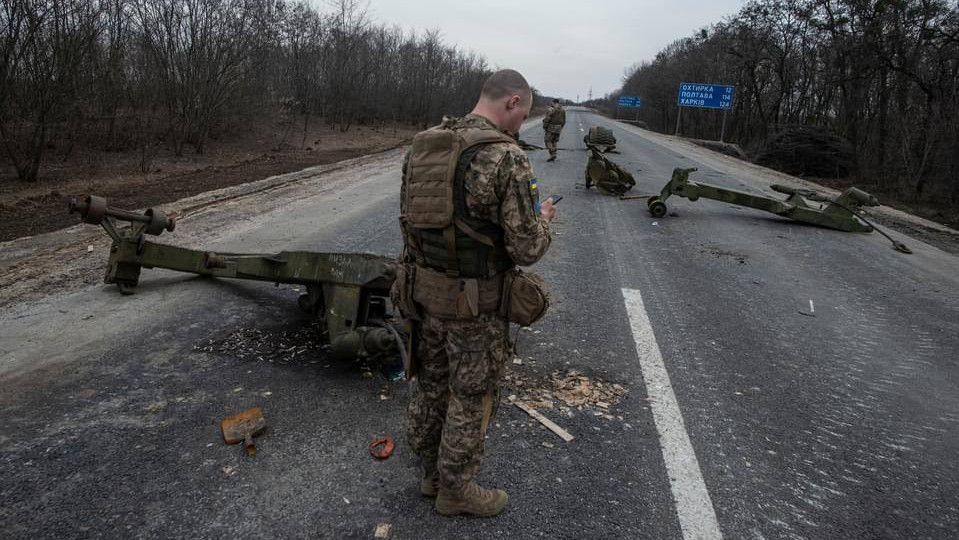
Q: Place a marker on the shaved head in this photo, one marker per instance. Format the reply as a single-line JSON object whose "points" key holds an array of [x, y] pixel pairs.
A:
{"points": [[505, 100], [505, 83]]}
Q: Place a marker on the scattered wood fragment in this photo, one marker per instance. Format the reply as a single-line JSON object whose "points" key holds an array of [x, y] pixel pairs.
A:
{"points": [[562, 433], [382, 530]]}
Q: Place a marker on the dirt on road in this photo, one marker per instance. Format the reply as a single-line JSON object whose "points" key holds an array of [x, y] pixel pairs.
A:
{"points": [[28, 209]]}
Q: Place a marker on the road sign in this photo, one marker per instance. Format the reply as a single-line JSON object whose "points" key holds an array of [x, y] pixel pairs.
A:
{"points": [[710, 96], [629, 101]]}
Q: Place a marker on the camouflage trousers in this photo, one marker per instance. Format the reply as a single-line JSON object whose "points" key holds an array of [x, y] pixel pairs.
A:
{"points": [[455, 393], [551, 140]]}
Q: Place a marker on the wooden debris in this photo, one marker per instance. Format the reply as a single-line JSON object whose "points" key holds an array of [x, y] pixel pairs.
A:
{"points": [[562, 433], [572, 388], [382, 530]]}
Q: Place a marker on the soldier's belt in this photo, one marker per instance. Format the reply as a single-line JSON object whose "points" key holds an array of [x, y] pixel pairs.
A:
{"points": [[445, 297]]}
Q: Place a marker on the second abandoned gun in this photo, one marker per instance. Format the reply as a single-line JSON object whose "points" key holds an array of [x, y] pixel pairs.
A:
{"points": [[347, 292], [608, 177], [843, 212]]}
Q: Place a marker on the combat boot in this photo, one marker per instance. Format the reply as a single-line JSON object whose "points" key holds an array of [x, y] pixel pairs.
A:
{"points": [[551, 158], [472, 499], [429, 481]]}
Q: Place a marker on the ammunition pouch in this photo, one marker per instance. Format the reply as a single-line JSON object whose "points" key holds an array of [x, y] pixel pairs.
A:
{"points": [[525, 297], [451, 298]]}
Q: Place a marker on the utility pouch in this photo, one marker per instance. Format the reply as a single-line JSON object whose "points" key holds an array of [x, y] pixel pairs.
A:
{"points": [[401, 293], [467, 300], [448, 298], [525, 297], [411, 366]]}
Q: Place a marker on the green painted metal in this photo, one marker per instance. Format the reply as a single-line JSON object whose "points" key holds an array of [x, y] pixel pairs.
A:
{"points": [[347, 291], [607, 176], [801, 205]]}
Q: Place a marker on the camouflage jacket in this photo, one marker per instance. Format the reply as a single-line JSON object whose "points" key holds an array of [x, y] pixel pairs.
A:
{"points": [[555, 119], [499, 189]]}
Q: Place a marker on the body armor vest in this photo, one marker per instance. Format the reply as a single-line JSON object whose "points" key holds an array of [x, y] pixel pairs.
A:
{"points": [[556, 119], [443, 235]]}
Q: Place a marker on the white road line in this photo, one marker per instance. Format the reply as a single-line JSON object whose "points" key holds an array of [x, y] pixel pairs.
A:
{"points": [[697, 517]]}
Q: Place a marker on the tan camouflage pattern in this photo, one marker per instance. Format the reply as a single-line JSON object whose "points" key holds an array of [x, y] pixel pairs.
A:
{"points": [[460, 362], [553, 124], [460, 367], [497, 190], [551, 140], [553, 121]]}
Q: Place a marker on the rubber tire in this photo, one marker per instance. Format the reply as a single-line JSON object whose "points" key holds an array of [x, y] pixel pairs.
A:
{"points": [[657, 208], [601, 136], [96, 210], [158, 222]]}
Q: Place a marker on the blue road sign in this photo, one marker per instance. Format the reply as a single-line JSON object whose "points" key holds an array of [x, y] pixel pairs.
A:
{"points": [[711, 96], [629, 101]]}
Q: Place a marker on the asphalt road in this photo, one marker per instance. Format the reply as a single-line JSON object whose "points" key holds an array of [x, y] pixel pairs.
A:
{"points": [[808, 384]]}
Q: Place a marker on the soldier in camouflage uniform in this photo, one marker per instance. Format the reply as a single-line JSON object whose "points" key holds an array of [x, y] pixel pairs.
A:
{"points": [[553, 124], [460, 342]]}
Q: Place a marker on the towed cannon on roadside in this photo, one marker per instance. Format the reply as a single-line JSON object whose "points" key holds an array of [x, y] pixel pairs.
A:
{"points": [[346, 292], [843, 212]]}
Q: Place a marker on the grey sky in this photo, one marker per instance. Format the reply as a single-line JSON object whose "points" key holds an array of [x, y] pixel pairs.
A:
{"points": [[562, 46]]}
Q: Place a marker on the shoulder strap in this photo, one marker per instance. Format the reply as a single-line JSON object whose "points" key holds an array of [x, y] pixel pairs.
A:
{"points": [[473, 137]]}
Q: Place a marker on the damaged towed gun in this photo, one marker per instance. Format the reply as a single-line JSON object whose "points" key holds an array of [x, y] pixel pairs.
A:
{"points": [[843, 212], [527, 146], [602, 139], [346, 292], [608, 177]]}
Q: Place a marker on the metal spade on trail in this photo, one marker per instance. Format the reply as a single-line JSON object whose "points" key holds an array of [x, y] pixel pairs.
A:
{"points": [[243, 427]]}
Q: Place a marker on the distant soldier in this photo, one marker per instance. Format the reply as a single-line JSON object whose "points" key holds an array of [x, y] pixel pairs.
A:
{"points": [[469, 213], [553, 124]]}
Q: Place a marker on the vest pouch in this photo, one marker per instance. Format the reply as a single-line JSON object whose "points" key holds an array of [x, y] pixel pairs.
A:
{"points": [[451, 298], [467, 300], [401, 293], [525, 297]]}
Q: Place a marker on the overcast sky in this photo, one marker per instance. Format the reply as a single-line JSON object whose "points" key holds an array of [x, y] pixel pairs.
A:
{"points": [[563, 47]]}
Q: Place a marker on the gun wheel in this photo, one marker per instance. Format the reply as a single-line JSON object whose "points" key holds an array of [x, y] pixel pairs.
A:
{"points": [[657, 208], [158, 222], [94, 210]]}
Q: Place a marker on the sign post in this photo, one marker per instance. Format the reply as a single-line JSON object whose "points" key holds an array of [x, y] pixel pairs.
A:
{"points": [[629, 101], [707, 96]]}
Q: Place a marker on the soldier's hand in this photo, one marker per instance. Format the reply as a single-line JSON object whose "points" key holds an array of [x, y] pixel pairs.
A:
{"points": [[547, 210]]}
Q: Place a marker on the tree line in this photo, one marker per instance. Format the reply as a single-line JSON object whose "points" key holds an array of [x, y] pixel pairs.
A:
{"points": [[172, 74], [881, 74]]}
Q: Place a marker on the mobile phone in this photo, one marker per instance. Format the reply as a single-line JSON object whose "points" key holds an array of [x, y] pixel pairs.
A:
{"points": [[556, 199]]}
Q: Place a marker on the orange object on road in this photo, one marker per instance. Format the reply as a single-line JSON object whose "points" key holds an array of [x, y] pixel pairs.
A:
{"points": [[241, 428], [382, 447]]}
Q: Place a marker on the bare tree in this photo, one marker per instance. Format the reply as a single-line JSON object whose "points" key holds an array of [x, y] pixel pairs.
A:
{"points": [[47, 48], [883, 75], [144, 74]]}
